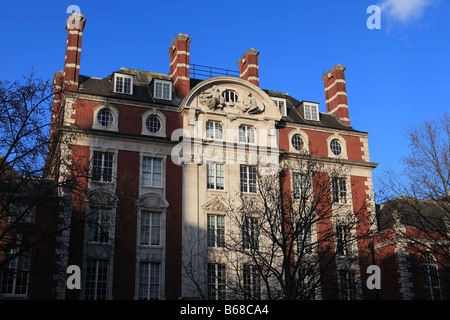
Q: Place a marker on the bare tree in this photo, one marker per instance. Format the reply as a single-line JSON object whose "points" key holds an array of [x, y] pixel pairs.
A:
{"points": [[285, 244], [38, 179], [419, 196]]}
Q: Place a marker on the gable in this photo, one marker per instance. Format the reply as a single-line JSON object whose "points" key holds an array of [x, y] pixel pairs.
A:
{"points": [[233, 98]]}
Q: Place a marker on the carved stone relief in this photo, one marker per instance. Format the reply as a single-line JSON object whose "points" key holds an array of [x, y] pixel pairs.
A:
{"points": [[214, 99]]}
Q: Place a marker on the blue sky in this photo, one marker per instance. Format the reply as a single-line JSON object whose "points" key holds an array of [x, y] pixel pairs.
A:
{"points": [[396, 76]]}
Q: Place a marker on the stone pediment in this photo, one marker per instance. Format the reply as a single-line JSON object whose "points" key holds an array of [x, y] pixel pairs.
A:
{"points": [[152, 200], [101, 198], [215, 204]]}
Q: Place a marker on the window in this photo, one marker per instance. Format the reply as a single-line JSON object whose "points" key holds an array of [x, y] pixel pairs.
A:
{"points": [[339, 186], [246, 134], [214, 130], [281, 104], [430, 277], [311, 112], [14, 276], [297, 142], [252, 283], [215, 176], [123, 84], [336, 147], [304, 241], [347, 285], [102, 166], [151, 172], [230, 96], [307, 284], [301, 186], [99, 224], [250, 233], [96, 280], [150, 228], [216, 231], [342, 240], [22, 213], [153, 123], [248, 179], [216, 281], [105, 117], [149, 280], [163, 89]]}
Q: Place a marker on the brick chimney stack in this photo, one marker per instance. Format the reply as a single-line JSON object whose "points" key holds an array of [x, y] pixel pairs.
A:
{"points": [[179, 64], [74, 26], [248, 66], [336, 93]]}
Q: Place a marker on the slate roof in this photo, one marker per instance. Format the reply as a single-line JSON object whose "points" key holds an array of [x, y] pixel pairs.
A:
{"points": [[143, 92]]}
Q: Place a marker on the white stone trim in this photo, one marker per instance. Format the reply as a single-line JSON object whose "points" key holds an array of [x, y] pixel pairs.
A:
{"points": [[162, 118], [115, 124], [337, 107], [334, 83], [339, 93]]}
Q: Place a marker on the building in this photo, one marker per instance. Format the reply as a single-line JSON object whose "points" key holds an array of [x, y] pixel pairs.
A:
{"points": [[28, 240], [412, 248], [139, 190]]}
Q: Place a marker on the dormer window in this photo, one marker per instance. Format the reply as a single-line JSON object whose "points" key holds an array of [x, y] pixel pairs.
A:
{"points": [[162, 89], [311, 111], [123, 83], [281, 104]]}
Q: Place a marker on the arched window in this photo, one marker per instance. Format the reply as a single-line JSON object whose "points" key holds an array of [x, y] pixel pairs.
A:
{"points": [[430, 276]]}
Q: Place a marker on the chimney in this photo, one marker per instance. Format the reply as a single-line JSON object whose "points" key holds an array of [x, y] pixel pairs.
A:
{"points": [[74, 26], [248, 66], [179, 64], [336, 93]]}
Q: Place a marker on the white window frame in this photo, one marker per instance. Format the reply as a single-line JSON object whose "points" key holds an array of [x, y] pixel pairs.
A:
{"points": [[250, 233], [148, 270], [213, 133], [215, 185], [299, 186], [215, 231], [309, 113], [96, 278], [216, 275], [348, 284], [343, 246], [99, 223], [151, 173], [251, 282], [147, 232], [246, 129], [123, 76], [339, 190], [343, 143], [247, 187], [305, 138], [101, 180], [230, 96], [165, 84], [115, 113], [11, 272], [281, 105], [162, 119], [430, 276]]}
